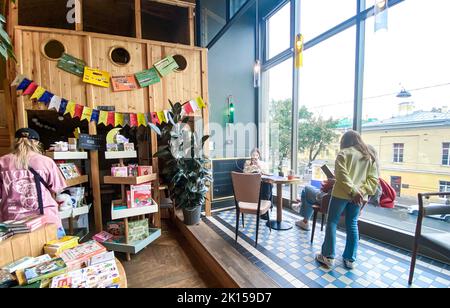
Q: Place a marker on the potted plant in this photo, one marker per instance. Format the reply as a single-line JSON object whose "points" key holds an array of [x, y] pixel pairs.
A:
{"points": [[186, 169]]}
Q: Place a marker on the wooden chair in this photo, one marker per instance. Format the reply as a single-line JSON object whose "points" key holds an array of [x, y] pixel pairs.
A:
{"points": [[438, 242], [323, 209], [247, 196]]}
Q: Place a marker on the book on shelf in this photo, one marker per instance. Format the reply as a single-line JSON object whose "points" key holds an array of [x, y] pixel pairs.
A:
{"points": [[141, 195], [56, 247], [101, 258], [4, 235], [102, 237], [45, 270], [69, 170], [19, 264], [116, 228], [138, 231], [78, 257], [102, 275], [145, 170]]}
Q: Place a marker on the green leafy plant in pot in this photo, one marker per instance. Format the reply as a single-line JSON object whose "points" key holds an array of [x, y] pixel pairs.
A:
{"points": [[186, 169]]}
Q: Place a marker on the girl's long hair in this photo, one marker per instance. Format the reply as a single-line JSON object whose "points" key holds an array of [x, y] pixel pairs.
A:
{"points": [[22, 148], [354, 139]]}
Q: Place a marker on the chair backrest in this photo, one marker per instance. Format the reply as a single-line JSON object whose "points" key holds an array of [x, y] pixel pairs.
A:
{"points": [[247, 187]]}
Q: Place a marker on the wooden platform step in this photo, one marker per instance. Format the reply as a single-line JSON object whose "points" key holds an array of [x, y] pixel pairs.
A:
{"points": [[230, 268]]}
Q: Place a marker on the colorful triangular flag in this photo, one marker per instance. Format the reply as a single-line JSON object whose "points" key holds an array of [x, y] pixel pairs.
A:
{"points": [[119, 119], [188, 108], [30, 89], [63, 106], [133, 120], [141, 119], [200, 102], [24, 84], [70, 108], [155, 119], [46, 97], [162, 117], [55, 103], [103, 118], [38, 93], [111, 119], [126, 119], [18, 80], [95, 116], [87, 114]]}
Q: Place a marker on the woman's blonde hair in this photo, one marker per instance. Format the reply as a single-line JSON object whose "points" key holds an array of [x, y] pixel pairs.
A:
{"points": [[22, 148], [354, 139]]}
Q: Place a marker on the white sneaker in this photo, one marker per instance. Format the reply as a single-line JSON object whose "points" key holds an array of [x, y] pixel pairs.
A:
{"points": [[327, 262], [302, 225], [349, 265]]}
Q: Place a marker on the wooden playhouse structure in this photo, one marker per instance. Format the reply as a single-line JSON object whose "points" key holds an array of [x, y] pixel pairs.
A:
{"points": [[119, 36]]}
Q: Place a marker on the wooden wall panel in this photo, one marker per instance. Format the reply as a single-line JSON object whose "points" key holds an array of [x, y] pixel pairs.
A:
{"points": [[129, 101], [185, 85], [45, 71]]}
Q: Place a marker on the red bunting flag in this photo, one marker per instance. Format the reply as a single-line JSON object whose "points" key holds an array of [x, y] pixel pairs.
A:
{"points": [[78, 111], [30, 89], [111, 119], [188, 108], [133, 120], [155, 119]]}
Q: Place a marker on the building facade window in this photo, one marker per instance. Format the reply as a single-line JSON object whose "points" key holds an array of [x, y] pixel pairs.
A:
{"points": [[444, 186], [446, 154], [399, 149]]}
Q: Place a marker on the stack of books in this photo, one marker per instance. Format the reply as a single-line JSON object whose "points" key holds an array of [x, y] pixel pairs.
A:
{"points": [[26, 225], [78, 257], [5, 234], [44, 271], [56, 247]]}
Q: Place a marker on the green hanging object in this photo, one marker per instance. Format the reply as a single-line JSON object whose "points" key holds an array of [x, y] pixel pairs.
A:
{"points": [[230, 110], [71, 65]]}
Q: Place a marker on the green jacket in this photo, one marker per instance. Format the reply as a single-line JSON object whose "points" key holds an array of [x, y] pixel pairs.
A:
{"points": [[354, 174]]}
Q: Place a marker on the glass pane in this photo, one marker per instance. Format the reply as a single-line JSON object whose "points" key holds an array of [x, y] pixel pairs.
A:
{"points": [[213, 19], [406, 94], [279, 31], [325, 104], [49, 14], [235, 5], [318, 16], [276, 124]]}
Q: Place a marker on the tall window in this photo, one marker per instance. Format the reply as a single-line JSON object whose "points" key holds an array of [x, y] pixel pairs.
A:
{"points": [[446, 154], [399, 149], [278, 29], [235, 5], [406, 91]]}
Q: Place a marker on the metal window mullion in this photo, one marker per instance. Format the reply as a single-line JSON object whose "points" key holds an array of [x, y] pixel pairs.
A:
{"points": [[359, 67]]}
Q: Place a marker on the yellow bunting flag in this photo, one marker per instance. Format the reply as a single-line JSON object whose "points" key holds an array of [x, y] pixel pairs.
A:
{"points": [[161, 117], [299, 40], [119, 119], [38, 93], [70, 108], [200, 102], [103, 118], [141, 119], [87, 113]]}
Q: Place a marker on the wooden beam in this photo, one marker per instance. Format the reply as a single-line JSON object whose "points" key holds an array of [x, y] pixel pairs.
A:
{"points": [[138, 18], [79, 15], [205, 111], [192, 25], [177, 3], [94, 160]]}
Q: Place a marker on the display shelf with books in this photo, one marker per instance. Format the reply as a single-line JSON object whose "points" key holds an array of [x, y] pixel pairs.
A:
{"points": [[135, 247], [120, 154], [135, 204], [74, 212], [130, 180], [77, 181]]}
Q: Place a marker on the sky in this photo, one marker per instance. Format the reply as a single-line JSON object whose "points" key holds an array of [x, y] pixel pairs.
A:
{"points": [[413, 54]]}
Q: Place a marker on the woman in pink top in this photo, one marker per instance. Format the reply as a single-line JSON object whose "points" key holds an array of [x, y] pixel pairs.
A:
{"points": [[18, 190]]}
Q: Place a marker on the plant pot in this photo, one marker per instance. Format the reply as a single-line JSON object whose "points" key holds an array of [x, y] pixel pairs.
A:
{"points": [[192, 215]]}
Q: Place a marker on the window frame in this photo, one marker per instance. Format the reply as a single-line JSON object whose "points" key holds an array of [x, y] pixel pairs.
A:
{"points": [[446, 148], [444, 186], [399, 153]]}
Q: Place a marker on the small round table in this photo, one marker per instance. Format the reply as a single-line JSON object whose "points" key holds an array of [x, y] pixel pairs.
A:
{"points": [[123, 275], [279, 224]]}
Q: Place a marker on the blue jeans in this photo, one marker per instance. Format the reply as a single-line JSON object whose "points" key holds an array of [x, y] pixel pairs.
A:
{"points": [[335, 211], [309, 198]]}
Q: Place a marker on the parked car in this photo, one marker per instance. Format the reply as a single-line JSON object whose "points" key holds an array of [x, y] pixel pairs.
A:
{"points": [[414, 210]]}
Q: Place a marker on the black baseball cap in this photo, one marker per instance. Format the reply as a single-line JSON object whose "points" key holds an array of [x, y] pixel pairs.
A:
{"points": [[27, 133]]}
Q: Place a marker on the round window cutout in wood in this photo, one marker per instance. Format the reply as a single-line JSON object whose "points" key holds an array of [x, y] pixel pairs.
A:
{"points": [[120, 56], [182, 63], [53, 49]]}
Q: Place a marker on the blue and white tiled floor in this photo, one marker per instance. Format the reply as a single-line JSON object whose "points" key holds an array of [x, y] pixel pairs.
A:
{"points": [[288, 258]]}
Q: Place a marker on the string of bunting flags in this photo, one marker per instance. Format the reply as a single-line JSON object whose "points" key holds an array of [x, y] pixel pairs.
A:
{"points": [[112, 118]]}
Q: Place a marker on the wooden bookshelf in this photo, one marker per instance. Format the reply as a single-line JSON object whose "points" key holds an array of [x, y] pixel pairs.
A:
{"points": [[120, 154], [77, 181], [130, 180], [136, 247], [67, 155], [133, 212]]}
